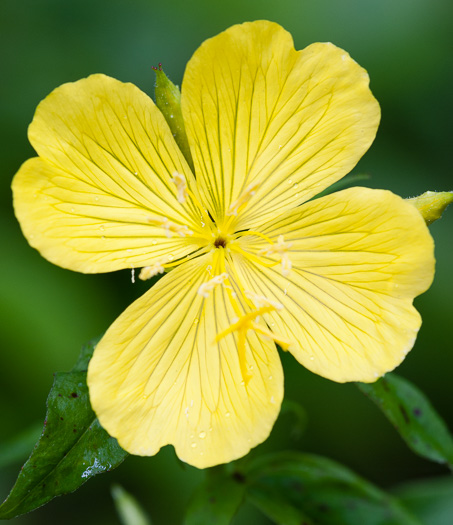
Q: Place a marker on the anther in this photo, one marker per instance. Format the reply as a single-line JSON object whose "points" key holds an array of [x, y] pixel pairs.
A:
{"points": [[150, 271], [280, 248], [243, 198], [181, 186], [170, 227], [208, 286], [260, 301]]}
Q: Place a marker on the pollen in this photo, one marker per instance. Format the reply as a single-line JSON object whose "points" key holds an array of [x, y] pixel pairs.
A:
{"points": [[150, 271], [170, 227], [181, 186], [208, 286], [243, 198], [280, 248]]}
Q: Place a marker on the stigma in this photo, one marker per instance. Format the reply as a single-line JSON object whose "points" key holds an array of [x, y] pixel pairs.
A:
{"points": [[249, 322]]}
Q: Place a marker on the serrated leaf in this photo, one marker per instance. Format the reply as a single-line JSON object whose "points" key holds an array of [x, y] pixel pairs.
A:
{"points": [[72, 449], [413, 416], [216, 500], [294, 489]]}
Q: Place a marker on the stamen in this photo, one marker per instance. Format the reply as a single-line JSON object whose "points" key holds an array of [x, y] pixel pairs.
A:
{"points": [[150, 271], [246, 323], [243, 198], [208, 286], [181, 186], [259, 301], [170, 227], [280, 248]]}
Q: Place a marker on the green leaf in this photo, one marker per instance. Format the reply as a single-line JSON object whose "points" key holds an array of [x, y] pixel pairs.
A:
{"points": [[432, 204], [168, 100], [128, 508], [217, 499], [430, 500], [294, 489], [413, 416], [73, 446]]}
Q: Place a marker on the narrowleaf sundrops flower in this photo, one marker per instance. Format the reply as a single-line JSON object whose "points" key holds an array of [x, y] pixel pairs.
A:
{"points": [[253, 260]]}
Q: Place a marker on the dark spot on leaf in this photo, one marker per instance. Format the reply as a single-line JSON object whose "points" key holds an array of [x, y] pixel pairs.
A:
{"points": [[74, 395], [61, 418], [212, 500], [59, 395], [404, 414], [239, 477], [417, 412], [74, 430]]}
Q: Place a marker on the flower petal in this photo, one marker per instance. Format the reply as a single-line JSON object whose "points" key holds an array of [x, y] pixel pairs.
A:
{"points": [[359, 257], [256, 110], [158, 376], [107, 158]]}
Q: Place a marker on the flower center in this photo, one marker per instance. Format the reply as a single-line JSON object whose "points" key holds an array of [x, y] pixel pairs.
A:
{"points": [[220, 241]]}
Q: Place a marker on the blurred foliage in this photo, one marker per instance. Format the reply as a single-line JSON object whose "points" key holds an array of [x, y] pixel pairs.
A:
{"points": [[48, 312]]}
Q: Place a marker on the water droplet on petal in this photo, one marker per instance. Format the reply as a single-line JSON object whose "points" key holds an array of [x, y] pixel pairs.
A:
{"points": [[171, 257], [227, 414], [270, 378], [195, 321], [102, 228], [202, 435], [193, 445]]}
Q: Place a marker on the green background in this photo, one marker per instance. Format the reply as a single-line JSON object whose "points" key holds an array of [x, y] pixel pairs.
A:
{"points": [[47, 312]]}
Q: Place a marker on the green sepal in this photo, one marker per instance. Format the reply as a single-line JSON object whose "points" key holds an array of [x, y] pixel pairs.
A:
{"points": [[413, 416], [432, 204], [292, 488], [168, 100], [73, 446]]}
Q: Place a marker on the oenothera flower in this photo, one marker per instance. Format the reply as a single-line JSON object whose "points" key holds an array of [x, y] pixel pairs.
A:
{"points": [[253, 260]]}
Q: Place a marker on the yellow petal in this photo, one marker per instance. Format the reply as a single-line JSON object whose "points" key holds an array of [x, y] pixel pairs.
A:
{"points": [[106, 169], [158, 377], [359, 257], [83, 228], [257, 111]]}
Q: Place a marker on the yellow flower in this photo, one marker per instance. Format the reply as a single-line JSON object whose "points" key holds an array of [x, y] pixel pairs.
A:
{"points": [[254, 261]]}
